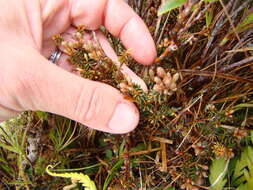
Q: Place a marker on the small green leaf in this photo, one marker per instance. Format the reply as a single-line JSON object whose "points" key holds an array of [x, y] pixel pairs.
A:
{"points": [[112, 173], [251, 136], [138, 147], [209, 14], [218, 171], [246, 175], [10, 148], [243, 105], [210, 1], [242, 164], [246, 186], [108, 154], [170, 5], [209, 17], [42, 115], [245, 24], [247, 21]]}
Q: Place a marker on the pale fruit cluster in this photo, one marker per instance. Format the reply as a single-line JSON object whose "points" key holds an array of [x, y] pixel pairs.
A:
{"points": [[166, 43], [124, 87], [92, 48], [165, 82], [127, 85]]}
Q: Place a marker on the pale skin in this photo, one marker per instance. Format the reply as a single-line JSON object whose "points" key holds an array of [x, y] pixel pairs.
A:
{"points": [[28, 81]]}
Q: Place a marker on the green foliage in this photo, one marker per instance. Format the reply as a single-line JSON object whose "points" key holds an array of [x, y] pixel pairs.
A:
{"points": [[42, 115], [209, 14], [210, 1], [112, 173], [242, 177], [4, 165], [138, 147], [245, 24], [209, 17], [12, 140], [86, 182], [218, 172], [170, 5], [246, 186], [63, 134], [244, 105], [244, 167]]}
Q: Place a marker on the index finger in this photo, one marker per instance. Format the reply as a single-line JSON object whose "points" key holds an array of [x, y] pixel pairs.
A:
{"points": [[121, 21]]}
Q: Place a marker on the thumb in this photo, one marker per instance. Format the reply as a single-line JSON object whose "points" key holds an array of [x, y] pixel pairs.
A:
{"points": [[93, 104]]}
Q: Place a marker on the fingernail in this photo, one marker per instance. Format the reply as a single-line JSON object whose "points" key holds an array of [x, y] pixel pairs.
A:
{"points": [[125, 118]]}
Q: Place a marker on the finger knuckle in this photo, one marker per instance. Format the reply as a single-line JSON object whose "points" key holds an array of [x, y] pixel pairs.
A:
{"points": [[23, 90], [93, 21], [89, 104]]}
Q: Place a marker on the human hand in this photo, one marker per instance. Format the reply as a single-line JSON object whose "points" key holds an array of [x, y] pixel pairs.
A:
{"points": [[30, 82]]}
